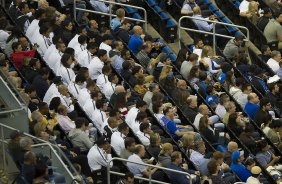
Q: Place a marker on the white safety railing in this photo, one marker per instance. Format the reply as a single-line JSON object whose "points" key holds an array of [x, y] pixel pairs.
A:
{"points": [[110, 14], [150, 180], [213, 33], [44, 143]]}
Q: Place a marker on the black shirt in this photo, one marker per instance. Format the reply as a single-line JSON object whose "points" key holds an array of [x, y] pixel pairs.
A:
{"points": [[262, 22]]}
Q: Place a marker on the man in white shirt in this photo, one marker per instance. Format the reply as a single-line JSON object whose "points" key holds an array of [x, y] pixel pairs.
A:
{"points": [[220, 109], [117, 139], [86, 56], [3, 33], [198, 153], [141, 106], [103, 77], [52, 90], [81, 46], [109, 87], [106, 44], [99, 115], [99, 155], [43, 40], [65, 71], [144, 133], [53, 54], [38, 15], [243, 98], [65, 97], [96, 65], [273, 62], [76, 86], [90, 105], [65, 122], [74, 41], [84, 94]]}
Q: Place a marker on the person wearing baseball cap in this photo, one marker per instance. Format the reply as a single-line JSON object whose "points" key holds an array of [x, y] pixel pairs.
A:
{"points": [[254, 179], [242, 172]]}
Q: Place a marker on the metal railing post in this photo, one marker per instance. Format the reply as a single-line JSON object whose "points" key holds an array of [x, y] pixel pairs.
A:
{"points": [[108, 172], [150, 176], [179, 34], [110, 11], [3, 149], [146, 21], [213, 37], [74, 10]]}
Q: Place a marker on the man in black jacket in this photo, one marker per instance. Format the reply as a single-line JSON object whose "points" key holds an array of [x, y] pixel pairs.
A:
{"points": [[122, 31], [111, 127], [24, 17], [190, 109]]}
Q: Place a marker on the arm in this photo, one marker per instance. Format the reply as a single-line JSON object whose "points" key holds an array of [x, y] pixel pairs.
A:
{"points": [[186, 9]]}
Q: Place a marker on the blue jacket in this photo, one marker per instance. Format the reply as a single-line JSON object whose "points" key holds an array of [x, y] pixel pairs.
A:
{"points": [[177, 178], [251, 109], [242, 172], [135, 43]]}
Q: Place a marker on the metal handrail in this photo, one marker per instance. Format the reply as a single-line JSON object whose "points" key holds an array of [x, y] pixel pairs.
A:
{"points": [[206, 32], [150, 180], [113, 15], [45, 143]]}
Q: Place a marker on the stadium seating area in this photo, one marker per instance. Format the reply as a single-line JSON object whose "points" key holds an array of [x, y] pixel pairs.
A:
{"points": [[102, 89]]}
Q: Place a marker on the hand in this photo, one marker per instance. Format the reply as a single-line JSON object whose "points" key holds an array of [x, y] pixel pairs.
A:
{"points": [[275, 158], [73, 154], [90, 180], [149, 161], [197, 173], [108, 149], [159, 164], [185, 166], [34, 101], [227, 136], [224, 166]]}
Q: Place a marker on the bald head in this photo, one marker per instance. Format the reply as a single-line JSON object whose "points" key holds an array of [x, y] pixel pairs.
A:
{"points": [[119, 89], [138, 30], [232, 146], [181, 84], [203, 109], [253, 98]]}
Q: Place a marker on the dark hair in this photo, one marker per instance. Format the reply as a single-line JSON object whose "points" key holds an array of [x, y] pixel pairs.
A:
{"points": [[15, 45], [80, 78], [140, 103], [38, 13], [263, 102], [249, 128], [22, 5], [45, 27], [44, 71], [56, 39], [193, 72], [80, 29], [69, 51], [181, 56], [80, 121], [128, 175], [264, 48], [91, 45], [123, 52], [101, 53], [271, 86], [66, 22], [245, 86], [16, 33], [120, 101], [209, 89], [140, 116], [54, 103], [94, 94], [64, 59], [82, 39], [222, 98], [122, 126], [203, 123], [155, 107], [275, 124], [100, 103], [40, 170], [29, 89], [128, 141], [33, 62], [212, 167], [144, 126], [126, 65], [262, 144], [166, 110], [136, 69], [111, 77], [225, 67], [203, 75]]}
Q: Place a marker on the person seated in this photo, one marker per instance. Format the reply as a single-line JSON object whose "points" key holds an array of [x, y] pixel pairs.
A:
{"points": [[244, 8], [265, 53], [274, 127], [18, 55], [177, 178], [254, 12], [248, 137], [264, 156], [129, 144], [273, 30], [237, 123], [264, 19], [232, 47], [213, 169], [165, 154], [117, 138], [230, 109], [212, 96], [254, 179], [252, 106], [127, 179], [64, 121], [241, 171]]}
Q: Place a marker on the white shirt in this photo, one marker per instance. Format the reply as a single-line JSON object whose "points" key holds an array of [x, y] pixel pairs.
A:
{"points": [[66, 101], [74, 89], [244, 6], [78, 49], [108, 90], [144, 138], [3, 38], [135, 126], [32, 28], [54, 59], [89, 107], [97, 158], [117, 141], [197, 120], [105, 47], [44, 43], [252, 180], [48, 52], [84, 96], [102, 79], [198, 52], [136, 169], [84, 58], [196, 158], [273, 64], [67, 74], [242, 100], [131, 115], [50, 93], [66, 123], [220, 110], [74, 41], [98, 117], [95, 68]]}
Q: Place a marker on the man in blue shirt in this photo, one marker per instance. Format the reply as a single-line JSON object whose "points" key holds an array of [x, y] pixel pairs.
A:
{"points": [[242, 172], [252, 105], [116, 22], [211, 97], [177, 178], [136, 41], [175, 131]]}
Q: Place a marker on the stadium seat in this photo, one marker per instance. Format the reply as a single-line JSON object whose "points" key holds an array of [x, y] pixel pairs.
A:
{"points": [[130, 10], [152, 2], [157, 9]]}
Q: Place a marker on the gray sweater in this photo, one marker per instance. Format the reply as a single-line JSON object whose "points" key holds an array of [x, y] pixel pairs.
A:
{"points": [[79, 139]]}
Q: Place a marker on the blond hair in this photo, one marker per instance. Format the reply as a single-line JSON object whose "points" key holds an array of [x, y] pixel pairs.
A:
{"points": [[166, 147]]}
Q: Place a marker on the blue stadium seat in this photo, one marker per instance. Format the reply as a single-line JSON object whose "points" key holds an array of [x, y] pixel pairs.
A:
{"points": [[158, 9], [152, 2], [219, 14], [231, 29], [213, 8], [207, 2], [130, 10], [237, 4], [164, 16], [166, 49], [136, 16], [170, 23], [172, 57], [225, 20]]}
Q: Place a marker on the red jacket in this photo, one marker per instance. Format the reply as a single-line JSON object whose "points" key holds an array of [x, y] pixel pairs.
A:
{"points": [[18, 57]]}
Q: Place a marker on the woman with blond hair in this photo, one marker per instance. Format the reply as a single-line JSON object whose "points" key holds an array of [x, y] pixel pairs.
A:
{"points": [[253, 10], [207, 60], [166, 70], [164, 157]]}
